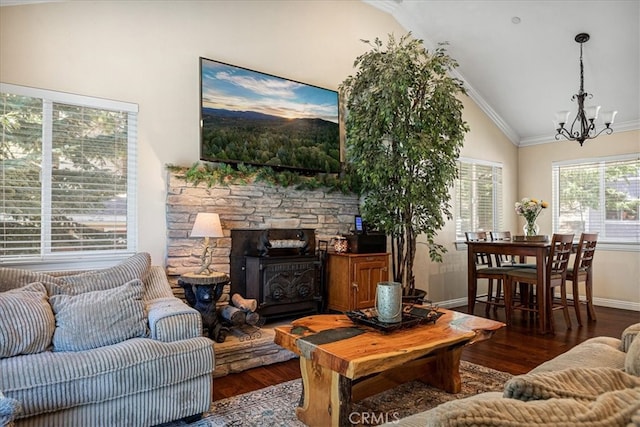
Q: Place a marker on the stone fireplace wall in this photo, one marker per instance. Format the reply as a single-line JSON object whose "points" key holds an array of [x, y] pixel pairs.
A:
{"points": [[247, 206]]}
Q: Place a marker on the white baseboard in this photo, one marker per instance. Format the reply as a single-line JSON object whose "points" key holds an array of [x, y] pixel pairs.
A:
{"points": [[623, 305], [459, 302], [604, 302]]}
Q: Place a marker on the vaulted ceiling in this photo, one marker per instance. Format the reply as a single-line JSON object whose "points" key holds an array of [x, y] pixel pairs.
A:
{"points": [[520, 62]]}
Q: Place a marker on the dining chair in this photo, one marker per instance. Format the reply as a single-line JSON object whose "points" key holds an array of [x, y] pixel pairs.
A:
{"points": [[490, 270], [506, 260], [582, 271], [555, 277]]}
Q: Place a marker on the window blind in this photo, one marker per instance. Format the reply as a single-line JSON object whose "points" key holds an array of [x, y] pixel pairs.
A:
{"points": [[68, 169], [600, 195], [478, 197]]}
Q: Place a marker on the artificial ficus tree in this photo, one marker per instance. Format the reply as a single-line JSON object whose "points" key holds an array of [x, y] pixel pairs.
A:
{"points": [[404, 132]]}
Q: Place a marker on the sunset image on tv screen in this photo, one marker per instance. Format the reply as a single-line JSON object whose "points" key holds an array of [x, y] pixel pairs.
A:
{"points": [[259, 119]]}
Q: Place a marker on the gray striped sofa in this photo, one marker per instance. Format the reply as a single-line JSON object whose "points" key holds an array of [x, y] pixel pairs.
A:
{"points": [[162, 371]]}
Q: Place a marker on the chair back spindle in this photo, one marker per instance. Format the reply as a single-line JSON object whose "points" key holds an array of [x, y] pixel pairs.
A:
{"points": [[502, 260], [561, 248], [582, 272]]}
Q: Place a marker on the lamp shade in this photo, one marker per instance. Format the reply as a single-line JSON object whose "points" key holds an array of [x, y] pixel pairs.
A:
{"points": [[207, 225]]}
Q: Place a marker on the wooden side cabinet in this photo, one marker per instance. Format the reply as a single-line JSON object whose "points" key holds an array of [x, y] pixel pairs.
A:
{"points": [[352, 280]]}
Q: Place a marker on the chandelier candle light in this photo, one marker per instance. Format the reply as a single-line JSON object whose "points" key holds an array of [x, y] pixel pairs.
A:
{"points": [[584, 125], [206, 225], [530, 209]]}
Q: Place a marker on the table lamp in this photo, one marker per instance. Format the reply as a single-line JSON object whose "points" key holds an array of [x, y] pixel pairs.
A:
{"points": [[206, 225]]}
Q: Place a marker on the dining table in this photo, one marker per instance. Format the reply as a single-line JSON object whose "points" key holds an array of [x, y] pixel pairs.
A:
{"points": [[539, 249]]}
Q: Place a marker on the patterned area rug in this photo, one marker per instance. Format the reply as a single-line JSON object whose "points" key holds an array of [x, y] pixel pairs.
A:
{"points": [[275, 405]]}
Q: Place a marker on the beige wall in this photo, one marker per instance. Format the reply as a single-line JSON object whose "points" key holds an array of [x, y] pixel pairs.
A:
{"points": [[616, 273], [146, 52], [448, 281]]}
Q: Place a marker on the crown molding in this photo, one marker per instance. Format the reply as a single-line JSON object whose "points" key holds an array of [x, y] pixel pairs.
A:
{"points": [[409, 21], [25, 2], [388, 6]]}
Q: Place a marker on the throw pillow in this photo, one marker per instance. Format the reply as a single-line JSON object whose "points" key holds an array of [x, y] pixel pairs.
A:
{"points": [[628, 336], [632, 360], [574, 383], [27, 323], [135, 267], [12, 278], [99, 318]]}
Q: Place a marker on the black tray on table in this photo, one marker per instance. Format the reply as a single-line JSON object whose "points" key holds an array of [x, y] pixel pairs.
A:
{"points": [[411, 316]]}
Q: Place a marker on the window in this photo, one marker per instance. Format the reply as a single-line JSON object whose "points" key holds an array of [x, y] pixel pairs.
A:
{"points": [[598, 196], [67, 176], [478, 197]]}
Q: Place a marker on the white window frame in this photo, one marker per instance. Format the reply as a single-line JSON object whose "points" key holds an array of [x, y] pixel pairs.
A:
{"points": [[498, 216], [48, 260], [606, 244]]}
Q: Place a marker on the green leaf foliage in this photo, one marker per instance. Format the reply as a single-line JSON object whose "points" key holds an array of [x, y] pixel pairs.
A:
{"points": [[404, 132], [220, 174]]}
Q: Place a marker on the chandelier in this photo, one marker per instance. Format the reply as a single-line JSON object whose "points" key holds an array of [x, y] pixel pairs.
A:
{"points": [[583, 126]]}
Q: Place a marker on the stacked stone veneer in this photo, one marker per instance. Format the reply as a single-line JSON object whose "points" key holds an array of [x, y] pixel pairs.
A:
{"points": [[248, 206], [239, 353]]}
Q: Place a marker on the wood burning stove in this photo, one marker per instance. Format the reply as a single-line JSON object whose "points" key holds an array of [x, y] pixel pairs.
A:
{"points": [[279, 268]]}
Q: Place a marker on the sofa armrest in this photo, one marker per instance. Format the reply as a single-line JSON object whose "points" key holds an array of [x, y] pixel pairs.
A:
{"points": [[628, 335], [9, 409], [170, 319]]}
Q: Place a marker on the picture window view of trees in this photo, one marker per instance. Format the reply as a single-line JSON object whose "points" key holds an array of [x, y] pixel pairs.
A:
{"points": [[600, 196], [478, 195], [63, 182], [259, 119]]}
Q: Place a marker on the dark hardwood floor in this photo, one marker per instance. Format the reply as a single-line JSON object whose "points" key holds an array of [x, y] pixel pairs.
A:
{"points": [[516, 349]]}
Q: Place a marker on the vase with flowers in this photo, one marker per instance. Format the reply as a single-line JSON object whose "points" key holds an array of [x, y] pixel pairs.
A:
{"points": [[530, 209]]}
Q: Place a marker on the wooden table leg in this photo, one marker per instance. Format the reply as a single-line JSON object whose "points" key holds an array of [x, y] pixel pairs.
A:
{"points": [[326, 396], [542, 297], [472, 280], [443, 371]]}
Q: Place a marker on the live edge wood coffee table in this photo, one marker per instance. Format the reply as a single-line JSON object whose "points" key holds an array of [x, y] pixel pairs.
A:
{"points": [[342, 362]]}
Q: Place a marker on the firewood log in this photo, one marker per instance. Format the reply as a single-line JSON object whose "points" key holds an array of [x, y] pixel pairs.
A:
{"points": [[252, 318], [233, 315], [243, 303]]}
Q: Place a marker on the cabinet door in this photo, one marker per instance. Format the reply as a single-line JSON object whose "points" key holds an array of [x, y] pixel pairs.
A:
{"points": [[339, 283], [367, 272]]}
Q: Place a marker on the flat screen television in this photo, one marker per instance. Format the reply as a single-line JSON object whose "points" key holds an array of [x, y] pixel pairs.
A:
{"points": [[258, 119]]}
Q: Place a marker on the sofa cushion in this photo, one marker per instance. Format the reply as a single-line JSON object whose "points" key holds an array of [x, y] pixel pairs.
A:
{"points": [[573, 383], [615, 408], [592, 353], [632, 361], [12, 278], [135, 267], [156, 284], [98, 318], [27, 321]]}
